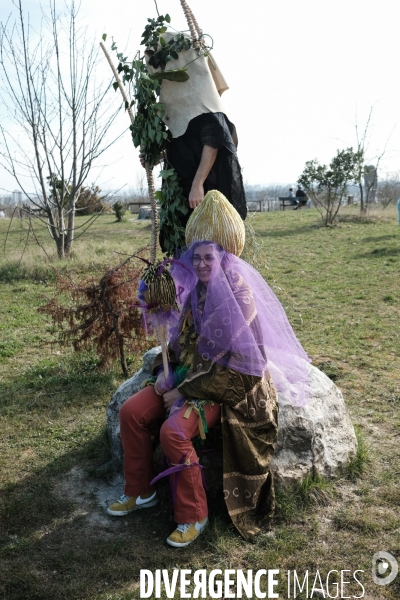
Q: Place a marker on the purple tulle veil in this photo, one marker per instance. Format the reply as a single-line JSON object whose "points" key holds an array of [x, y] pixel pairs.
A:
{"points": [[242, 325]]}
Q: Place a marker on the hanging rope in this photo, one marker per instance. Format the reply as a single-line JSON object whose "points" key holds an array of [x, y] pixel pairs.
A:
{"points": [[195, 23], [192, 24], [154, 213], [194, 28]]}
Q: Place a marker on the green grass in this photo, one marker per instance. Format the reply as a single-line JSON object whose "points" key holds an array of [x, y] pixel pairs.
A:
{"points": [[358, 465], [340, 288]]}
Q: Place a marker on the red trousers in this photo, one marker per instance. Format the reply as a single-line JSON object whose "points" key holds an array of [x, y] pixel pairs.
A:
{"points": [[136, 415]]}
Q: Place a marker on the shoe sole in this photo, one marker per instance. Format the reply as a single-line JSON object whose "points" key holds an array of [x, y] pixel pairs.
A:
{"points": [[184, 544], [123, 513]]}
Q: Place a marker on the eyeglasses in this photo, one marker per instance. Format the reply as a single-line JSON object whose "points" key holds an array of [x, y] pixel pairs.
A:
{"points": [[207, 260]]}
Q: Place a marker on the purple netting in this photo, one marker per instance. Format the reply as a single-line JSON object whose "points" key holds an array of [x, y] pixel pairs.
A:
{"points": [[242, 325]]}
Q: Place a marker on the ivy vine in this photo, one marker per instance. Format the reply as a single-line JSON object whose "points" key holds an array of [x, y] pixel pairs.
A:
{"points": [[148, 129]]}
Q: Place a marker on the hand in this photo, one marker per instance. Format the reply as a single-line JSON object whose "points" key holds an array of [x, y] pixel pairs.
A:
{"points": [[162, 384], [196, 195], [171, 397]]}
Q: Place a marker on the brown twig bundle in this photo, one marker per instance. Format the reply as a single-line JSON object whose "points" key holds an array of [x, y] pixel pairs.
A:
{"points": [[104, 314], [160, 299]]}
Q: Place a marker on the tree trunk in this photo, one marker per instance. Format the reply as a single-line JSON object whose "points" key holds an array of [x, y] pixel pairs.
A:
{"points": [[363, 208], [60, 246], [70, 226]]}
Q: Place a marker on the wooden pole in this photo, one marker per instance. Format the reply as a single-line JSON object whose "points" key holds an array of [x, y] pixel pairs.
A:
{"points": [[149, 170], [153, 202]]}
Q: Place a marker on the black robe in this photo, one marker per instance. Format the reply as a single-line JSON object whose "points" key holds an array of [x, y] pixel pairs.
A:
{"points": [[184, 154]]}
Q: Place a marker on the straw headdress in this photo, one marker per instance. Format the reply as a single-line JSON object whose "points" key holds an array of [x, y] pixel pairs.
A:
{"points": [[217, 221]]}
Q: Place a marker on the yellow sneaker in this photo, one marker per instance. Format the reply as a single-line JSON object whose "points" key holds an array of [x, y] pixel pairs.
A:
{"points": [[127, 504], [186, 533]]}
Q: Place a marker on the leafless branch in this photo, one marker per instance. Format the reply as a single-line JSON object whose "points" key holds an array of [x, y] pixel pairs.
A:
{"points": [[61, 113]]}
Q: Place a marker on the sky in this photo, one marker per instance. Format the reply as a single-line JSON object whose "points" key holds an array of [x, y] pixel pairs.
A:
{"points": [[301, 74]]}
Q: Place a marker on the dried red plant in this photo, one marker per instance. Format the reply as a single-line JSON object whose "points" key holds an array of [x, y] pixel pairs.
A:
{"points": [[104, 314]]}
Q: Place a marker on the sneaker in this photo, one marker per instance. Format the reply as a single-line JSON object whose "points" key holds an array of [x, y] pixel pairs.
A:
{"points": [[127, 504], [186, 533]]}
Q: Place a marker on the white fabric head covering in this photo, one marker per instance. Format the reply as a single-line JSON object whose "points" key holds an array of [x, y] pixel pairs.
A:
{"points": [[189, 99]]}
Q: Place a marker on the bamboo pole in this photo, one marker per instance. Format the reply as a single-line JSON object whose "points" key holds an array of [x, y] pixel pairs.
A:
{"points": [[118, 80], [162, 334], [163, 340], [149, 170]]}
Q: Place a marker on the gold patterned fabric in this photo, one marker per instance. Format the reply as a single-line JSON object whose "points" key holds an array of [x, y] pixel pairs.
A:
{"points": [[249, 415]]}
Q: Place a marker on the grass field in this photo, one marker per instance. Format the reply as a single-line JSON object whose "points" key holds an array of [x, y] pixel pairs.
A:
{"points": [[341, 289]]}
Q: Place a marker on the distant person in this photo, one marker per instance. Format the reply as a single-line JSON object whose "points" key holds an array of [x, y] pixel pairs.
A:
{"points": [[292, 196], [301, 198]]}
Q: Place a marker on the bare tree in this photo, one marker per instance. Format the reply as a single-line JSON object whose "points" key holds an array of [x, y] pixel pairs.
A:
{"points": [[389, 189], [366, 176], [59, 112]]}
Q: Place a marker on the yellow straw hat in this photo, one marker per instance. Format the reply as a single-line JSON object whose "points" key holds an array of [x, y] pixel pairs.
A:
{"points": [[217, 221]]}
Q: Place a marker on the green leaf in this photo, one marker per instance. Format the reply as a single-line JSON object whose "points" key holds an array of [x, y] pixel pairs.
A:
{"points": [[115, 85], [162, 41], [165, 173], [104, 37], [177, 75], [168, 18]]}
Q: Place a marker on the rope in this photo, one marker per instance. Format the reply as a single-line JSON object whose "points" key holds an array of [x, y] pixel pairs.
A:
{"points": [[196, 25], [154, 221], [192, 23]]}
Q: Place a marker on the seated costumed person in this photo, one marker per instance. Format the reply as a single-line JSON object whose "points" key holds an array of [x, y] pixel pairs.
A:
{"points": [[231, 349], [202, 141]]}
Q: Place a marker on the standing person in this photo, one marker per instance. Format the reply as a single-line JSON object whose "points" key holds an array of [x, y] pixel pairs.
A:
{"points": [[202, 141], [301, 198]]}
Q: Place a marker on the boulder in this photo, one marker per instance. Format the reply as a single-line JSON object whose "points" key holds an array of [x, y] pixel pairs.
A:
{"points": [[318, 438], [144, 212], [315, 439], [125, 391]]}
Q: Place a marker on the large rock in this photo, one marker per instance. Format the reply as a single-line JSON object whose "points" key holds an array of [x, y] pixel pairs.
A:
{"points": [[318, 438], [125, 391], [145, 212], [315, 439]]}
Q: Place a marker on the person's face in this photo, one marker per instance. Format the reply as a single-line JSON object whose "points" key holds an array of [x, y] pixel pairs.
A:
{"points": [[202, 261]]}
